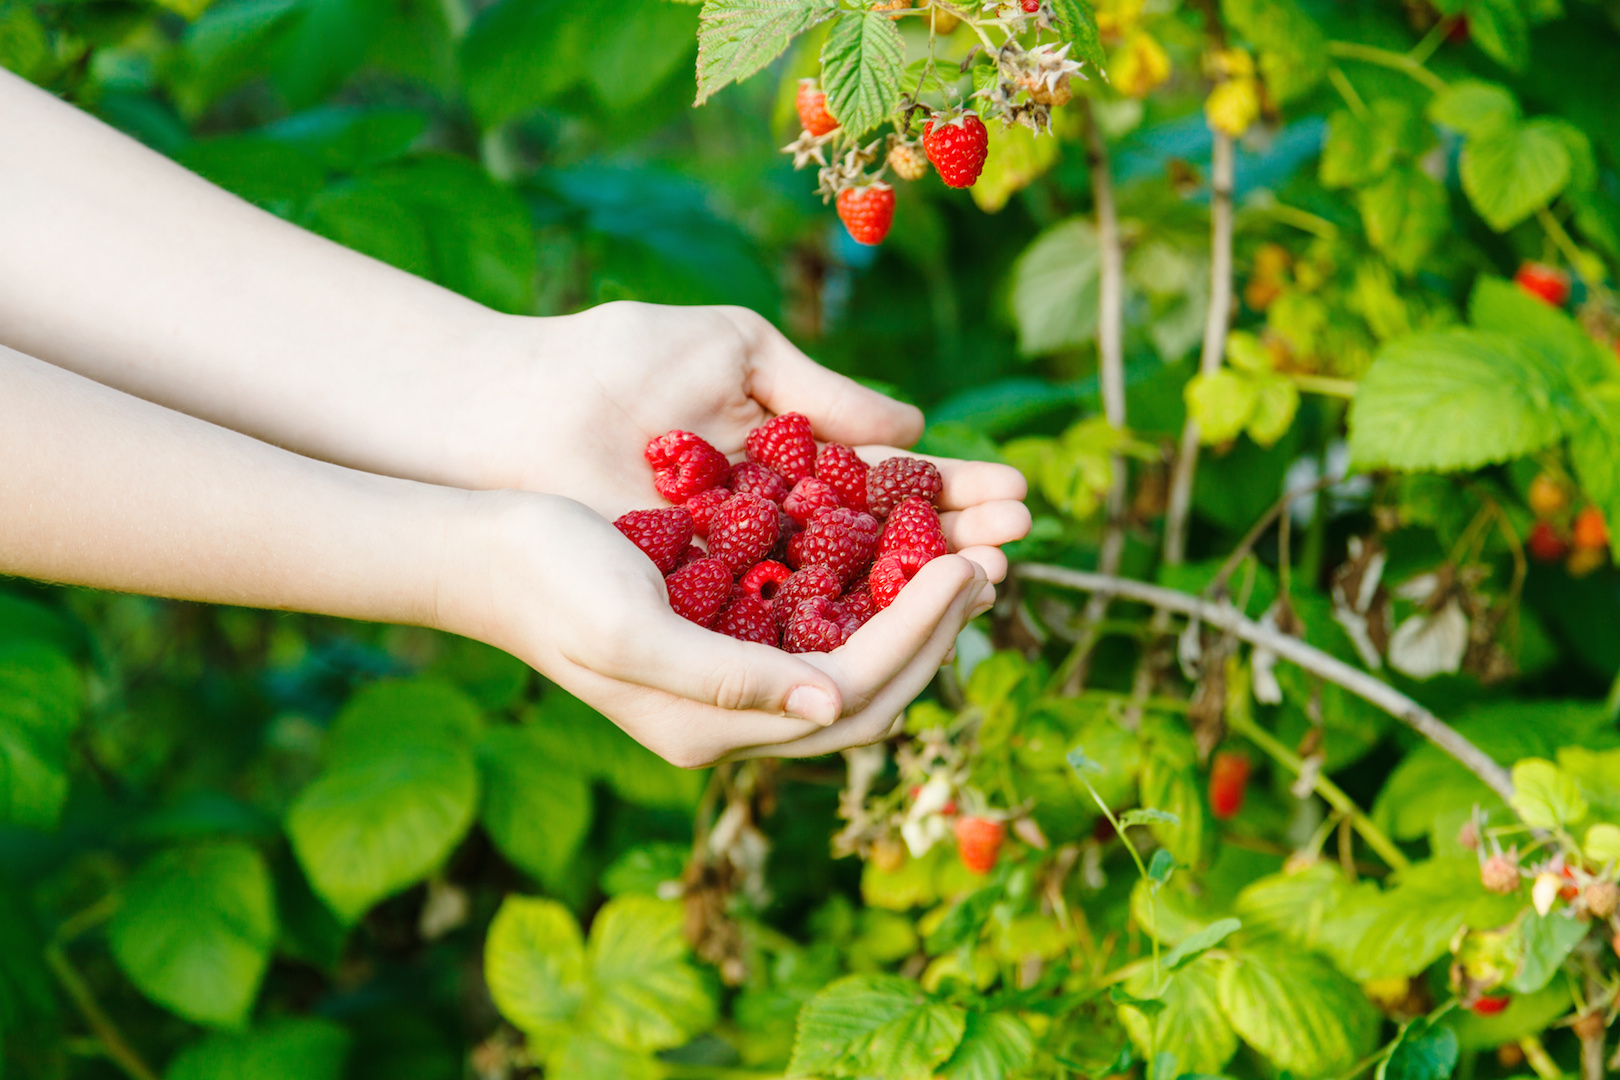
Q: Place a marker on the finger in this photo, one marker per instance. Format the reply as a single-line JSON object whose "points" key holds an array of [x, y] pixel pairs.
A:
{"points": [[890, 641], [991, 523], [882, 713], [990, 559], [656, 648], [967, 483], [840, 409]]}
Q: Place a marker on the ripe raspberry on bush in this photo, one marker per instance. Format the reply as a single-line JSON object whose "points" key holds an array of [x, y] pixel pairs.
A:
{"points": [[958, 146], [751, 478], [702, 507], [867, 212], [662, 534], [891, 572], [748, 619], [1546, 283], [1228, 783], [816, 625], [808, 498], [896, 479], [764, 580], [1544, 544], [743, 529], [684, 465], [699, 592], [841, 467], [914, 525], [844, 540], [978, 842], [784, 443], [811, 102]]}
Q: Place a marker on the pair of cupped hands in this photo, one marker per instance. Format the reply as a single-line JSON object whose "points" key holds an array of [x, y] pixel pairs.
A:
{"points": [[562, 589]]}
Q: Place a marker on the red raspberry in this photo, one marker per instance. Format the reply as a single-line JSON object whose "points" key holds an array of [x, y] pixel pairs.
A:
{"points": [[1491, 1004], [1228, 781], [684, 465], [1546, 283], [691, 555], [895, 479], [957, 146], [1545, 544], [913, 524], [806, 584], [1591, 531], [843, 539], [845, 471], [764, 580], [858, 605], [867, 212], [891, 572], [743, 530], [815, 626], [809, 497], [784, 443], [663, 534], [789, 529], [702, 507], [1031, 6], [748, 619], [812, 104], [978, 842], [700, 591], [748, 478]]}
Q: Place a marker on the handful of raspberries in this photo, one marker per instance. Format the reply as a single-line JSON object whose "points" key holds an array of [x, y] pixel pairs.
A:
{"points": [[803, 544]]}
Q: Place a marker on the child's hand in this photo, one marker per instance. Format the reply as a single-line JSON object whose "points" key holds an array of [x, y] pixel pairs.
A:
{"points": [[552, 582]]}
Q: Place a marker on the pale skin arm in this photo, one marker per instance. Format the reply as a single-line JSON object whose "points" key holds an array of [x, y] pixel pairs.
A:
{"points": [[106, 490]]}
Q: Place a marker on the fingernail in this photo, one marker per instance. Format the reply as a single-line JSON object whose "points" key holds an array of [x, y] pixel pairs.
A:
{"points": [[812, 703]]}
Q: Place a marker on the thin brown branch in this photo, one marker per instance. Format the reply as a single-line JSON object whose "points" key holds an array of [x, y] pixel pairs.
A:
{"points": [[1225, 617], [1111, 375], [100, 1024]]}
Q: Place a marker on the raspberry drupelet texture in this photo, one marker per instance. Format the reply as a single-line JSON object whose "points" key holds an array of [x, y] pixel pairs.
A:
{"points": [[893, 480], [844, 540], [811, 102], [662, 534], [784, 443], [816, 625], [958, 147], [867, 212], [806, 584], [914, 524], [684, 465], [841, 467], [699, 591], [691, 555], [892, 571], [764, 580], [751, 478], [742, 530], [748, 619], [808, 498], [702, 507]]}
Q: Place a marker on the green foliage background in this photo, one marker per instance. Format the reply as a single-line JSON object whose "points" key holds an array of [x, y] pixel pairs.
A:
{"points": [[235, 844]]}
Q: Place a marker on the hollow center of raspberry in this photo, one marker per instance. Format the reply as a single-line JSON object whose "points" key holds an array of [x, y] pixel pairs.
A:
{"points": [[767, 590]]}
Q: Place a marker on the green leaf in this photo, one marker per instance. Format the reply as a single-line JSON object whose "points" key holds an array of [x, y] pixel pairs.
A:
{"points": [[994, 1045], [1412, 924], [1510, 172], [321, 44], [862, 64], [1171, 784], [39, 711], [1360, 149], [1501, 31], [1297, 1011], [1544, 942], [635, 51], [1018, 157], [1054, 289], [287, 1048], [1146, 815], [1503, 307], [577, 737], [534, 963], [643, 993], [1276, 401], [1545, 796], [1198, 944], [1422, 1051], [1076, 22], [1141, 1004], [536, 810], [1222, 403], [27, 993], [736, 38], [1161, 866], [1292, 905], [195, 928], [1526, 1014], [1190, 1021], [882, 1025], [1454, 399], [1293, 49], [25, 47], [582, 1056], [1602, 843], [1474, 108], [399, 791], [500, 56], [1405, 215]]}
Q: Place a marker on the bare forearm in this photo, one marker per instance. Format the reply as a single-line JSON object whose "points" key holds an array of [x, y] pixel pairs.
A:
{"points": [[102, 489], [127, 269]]}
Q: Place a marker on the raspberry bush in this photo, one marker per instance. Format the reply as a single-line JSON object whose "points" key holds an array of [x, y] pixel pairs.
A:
{"points": [[1289, 748]]}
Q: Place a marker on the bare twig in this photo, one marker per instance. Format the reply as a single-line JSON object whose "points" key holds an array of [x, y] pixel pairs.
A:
{"points": [[100, 1024], [1225, 617], [1111, 373]]}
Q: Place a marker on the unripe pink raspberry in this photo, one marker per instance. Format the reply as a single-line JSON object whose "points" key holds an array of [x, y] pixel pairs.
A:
{"points": [[1500, 874]]}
